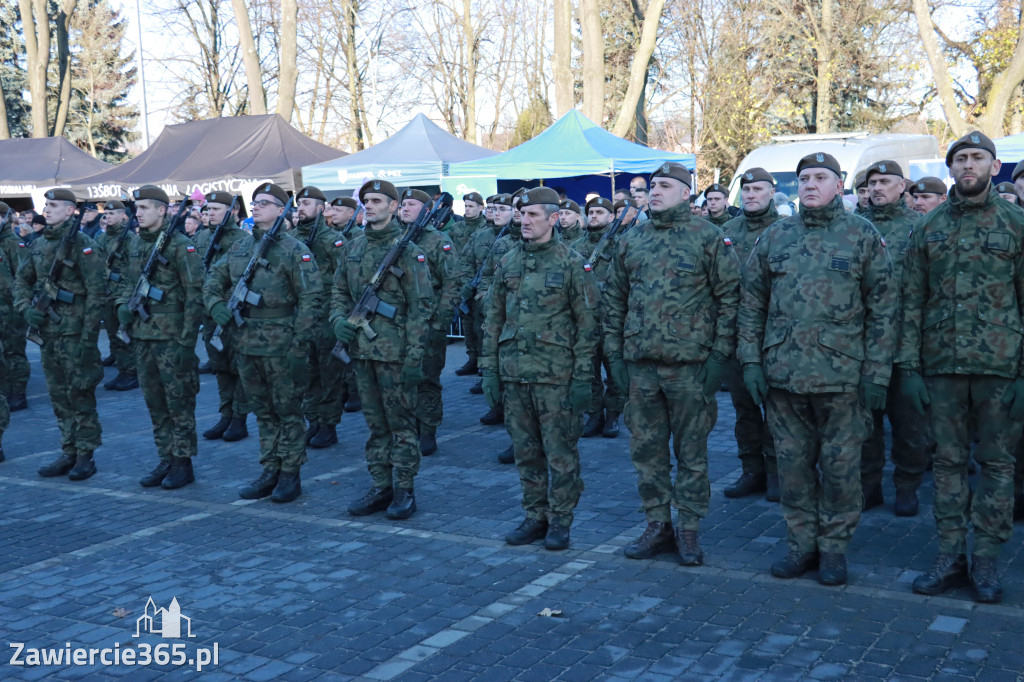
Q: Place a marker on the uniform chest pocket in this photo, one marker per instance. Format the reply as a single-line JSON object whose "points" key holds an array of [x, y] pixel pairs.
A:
{"points": [[778, 262], [997, 241], [512, 280], [554, 280], [841, 262], [686, 266]]}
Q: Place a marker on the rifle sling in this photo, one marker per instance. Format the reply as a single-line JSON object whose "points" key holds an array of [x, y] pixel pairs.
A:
{"points": [[268, 313]]}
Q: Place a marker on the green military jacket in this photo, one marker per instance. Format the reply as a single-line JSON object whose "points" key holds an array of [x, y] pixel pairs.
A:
{"points": [[82, 282], [963, 290], [176, 316], [585, 245], [541, 321], [571, 234], [719, 221], [895, 222], [513, 237], [109, 240], [231, 234], [819, 303], [459, 231], [673, 291], [11, 248], [403, 337], [745, 229], [326, 250], [291, 290], [445, 275], [476, 250]]}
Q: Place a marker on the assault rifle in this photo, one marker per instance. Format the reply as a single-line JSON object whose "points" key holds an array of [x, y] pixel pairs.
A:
{"points": [[122, 237], [143, 289], [242, 293], [50, 292], [475, 282], [215, 238], [608, 235]]}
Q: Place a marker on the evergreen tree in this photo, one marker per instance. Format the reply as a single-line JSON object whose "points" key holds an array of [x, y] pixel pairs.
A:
{"points": [[12, 72]]}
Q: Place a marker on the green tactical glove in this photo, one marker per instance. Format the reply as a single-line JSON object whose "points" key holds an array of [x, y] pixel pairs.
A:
{"points": [[619, 372], [34, 317], [872, 396], [345, 330], [125, 316], [755, 381], [298, 365], [221, 314], [412, 377], [711, 373], [1014, 397], [492, 387], [913, 389], [186, 355], [580, 396], [467, 291]]}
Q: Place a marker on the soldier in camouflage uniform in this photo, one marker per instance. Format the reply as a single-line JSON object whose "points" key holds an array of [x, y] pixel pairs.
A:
{"points": [[670, 327], [165, 343], [324, 400], [274, 344], [345, 210], [928, 193], [860, 183], [389, 366], [233, 406], [570, 224], [716, 198], [910, 440], [540, 335], [459, 231], [8, 268], [114, 220], [70, 356], [817, 330], [608, 402], [963, 319], [12, 333], [753, 439]]}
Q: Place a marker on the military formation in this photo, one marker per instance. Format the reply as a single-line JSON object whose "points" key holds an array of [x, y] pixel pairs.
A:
{"points": [[821, 324]]}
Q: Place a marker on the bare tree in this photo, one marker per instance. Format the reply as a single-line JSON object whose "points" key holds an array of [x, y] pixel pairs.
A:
{"points": [[564, 98], [37, 57], [627, 116], [62, 25], [289, 72], [593, 60], [251, 58]]}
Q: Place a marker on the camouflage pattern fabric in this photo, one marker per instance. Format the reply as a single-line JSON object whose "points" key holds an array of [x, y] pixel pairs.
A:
{"points": [[460, 231], [276, 400], [500, 248], [169, 388], [12, 331], [117, 277], [895, 222], [5, 410], [471, 256], [571, 234], [745, 229], [392, 450], [720, 220]]}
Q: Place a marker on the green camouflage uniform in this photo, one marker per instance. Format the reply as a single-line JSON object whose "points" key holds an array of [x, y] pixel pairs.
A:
{"points": [[350, 390], [513, 237], [719, 221], [460, 231], [473, 254], [281, 327], [669, 303], [70, 356], [392, 451], [165, 343], [540, 334], [753, 439], [224, 363], [124, 356], [910, 440], [819, 315], [8, 268], [12, 331], [571, 234], [963, 292]]}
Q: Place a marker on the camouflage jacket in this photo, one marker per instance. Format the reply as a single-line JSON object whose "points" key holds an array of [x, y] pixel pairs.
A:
{"points": [[513, 237], [744, 230], [585, 246], [176, 316], [459, 231], [476, 250], [84, 280], [326, 250], [673, 291], [231, 234], [719, 221], [572, 234], [11, 248], [895, 222], [107, 240], [445, 275], [819, 303], [291, 288], [399, 339], [351, 233], [541, 320], [963, 290]]}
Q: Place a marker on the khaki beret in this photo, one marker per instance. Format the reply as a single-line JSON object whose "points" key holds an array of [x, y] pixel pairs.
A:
{"points": [[113, 205], [756, 175], [883, 168], [273, 190], [819, 160], [928, 185], [61, 194], [220, 198], [310, 192], [151, 192], [378, 187], [540, 195], [569, 205], [715, 187], [600, 202], [417, 194], [501, 200], [347, 202], [474, 197], [860, 180], [1017, 171], [490, 199], [975, 140], [624, 202], [1006, 188], [671, 169]]}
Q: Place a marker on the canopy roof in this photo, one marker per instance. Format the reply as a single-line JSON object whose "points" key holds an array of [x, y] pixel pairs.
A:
{"points": [[418, 154], [229, 154], [29, 164], [1010, 148], [573, 145]]}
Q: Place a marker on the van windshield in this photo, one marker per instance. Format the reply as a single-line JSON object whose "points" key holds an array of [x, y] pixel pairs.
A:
{"points": [[786, 183]]}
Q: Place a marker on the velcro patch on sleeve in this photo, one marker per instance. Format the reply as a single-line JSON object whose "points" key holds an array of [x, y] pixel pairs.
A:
{"points": [[87, 250], [306, 258], [190, 248]]}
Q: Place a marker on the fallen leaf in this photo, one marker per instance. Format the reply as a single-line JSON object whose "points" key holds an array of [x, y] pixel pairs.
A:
{"points": [[550, 613], [120, 612]]}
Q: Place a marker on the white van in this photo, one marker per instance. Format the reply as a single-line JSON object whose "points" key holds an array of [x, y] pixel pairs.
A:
{"points": [[854, 151]]}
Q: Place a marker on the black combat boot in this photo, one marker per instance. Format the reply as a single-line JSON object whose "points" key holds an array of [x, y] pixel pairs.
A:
{"points": [[122, 382], [288, 487], [84, 468], [947, 571], [772, 492], [467, 369], [157, 475], [557, 537], [17, 402], [494, 416], [261, 487], [873, 496], [611, 426], [795, 564], [375, 500], [1018, 507], [477, 388], [311, 431], [593, 424], [180, 475], [906, 502], [428, 441], [659, 538], [237, 430], [353, 403], [109, 361], [747, 484], [58, 467], [403, 505], [204, 368], [530, 530], [985, 578], [325, 437], [507, 456], [216, 432], [832, 570], [687, 548], [2, 458]]}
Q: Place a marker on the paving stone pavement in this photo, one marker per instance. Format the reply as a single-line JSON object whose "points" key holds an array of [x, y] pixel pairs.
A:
{"points": [[305, 592]]}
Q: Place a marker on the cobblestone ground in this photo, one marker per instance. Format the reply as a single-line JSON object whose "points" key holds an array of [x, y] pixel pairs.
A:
{"points": [[303, 591]]}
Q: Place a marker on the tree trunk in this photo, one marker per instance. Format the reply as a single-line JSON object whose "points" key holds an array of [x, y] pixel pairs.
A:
{"points": [[251, 59], [1003, 86], [37, 57], [5, 131], [355, 97], [940, 72], [626, 117], [289, 72], [593, 60], [63, 66], [470, 131], [823, 49], [564, 99]]}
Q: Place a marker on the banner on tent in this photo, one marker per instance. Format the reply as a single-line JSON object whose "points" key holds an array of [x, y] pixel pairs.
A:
{"points": [[173, 189], [458, 185]]}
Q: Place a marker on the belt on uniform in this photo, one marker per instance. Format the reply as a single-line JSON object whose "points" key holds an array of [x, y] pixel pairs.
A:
{"points": [[165, 308], [268, 313]]}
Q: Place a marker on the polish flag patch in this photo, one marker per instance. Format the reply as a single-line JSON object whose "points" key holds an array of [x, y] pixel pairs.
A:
{"points": [[882, 239], [22, 245], [421, 258], [728, 242], [190, 249], [339, 242], [306, 258], [87, 250], [447, 247], [586, 266]]}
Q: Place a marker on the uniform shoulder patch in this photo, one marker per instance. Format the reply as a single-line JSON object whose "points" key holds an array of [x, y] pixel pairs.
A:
{"points": [[339, 242], [587, 268], [87, 250], [22, 245], [447, 247], [421, 258], [728, 242], [190, 248], [306, 258], [882, 239]]}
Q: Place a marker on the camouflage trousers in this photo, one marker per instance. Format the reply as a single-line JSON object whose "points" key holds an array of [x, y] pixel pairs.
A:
{"points": [[911, 443], [818, 439], [989, 507], [5, 412], [604, 394], [72, 374], [471, 328], [325, 398], [392, 451], [429, 406], [12, 335], [753, 439], [667, 402], [544, 432], [124, 357], [276, 400], [169, 388], [224, 366]]}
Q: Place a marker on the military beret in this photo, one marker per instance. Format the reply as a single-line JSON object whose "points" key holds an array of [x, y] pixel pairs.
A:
{"points": [[113, 205], [860, 180], [819, 160], [1006, 188], [273, 190], [928, 185], [885, 167], [61, 194], [569, 205], [540, 195], [624, 202], [151, 192], [975, 140], [347, 202], [220, 198], [90, 206], [756, 175], [378, 187], [501, 200], [417, 194], [474, 197], [1017, 171], [600, 202], [310, 192], [490, 199], [715, 187], [671, 169]]}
